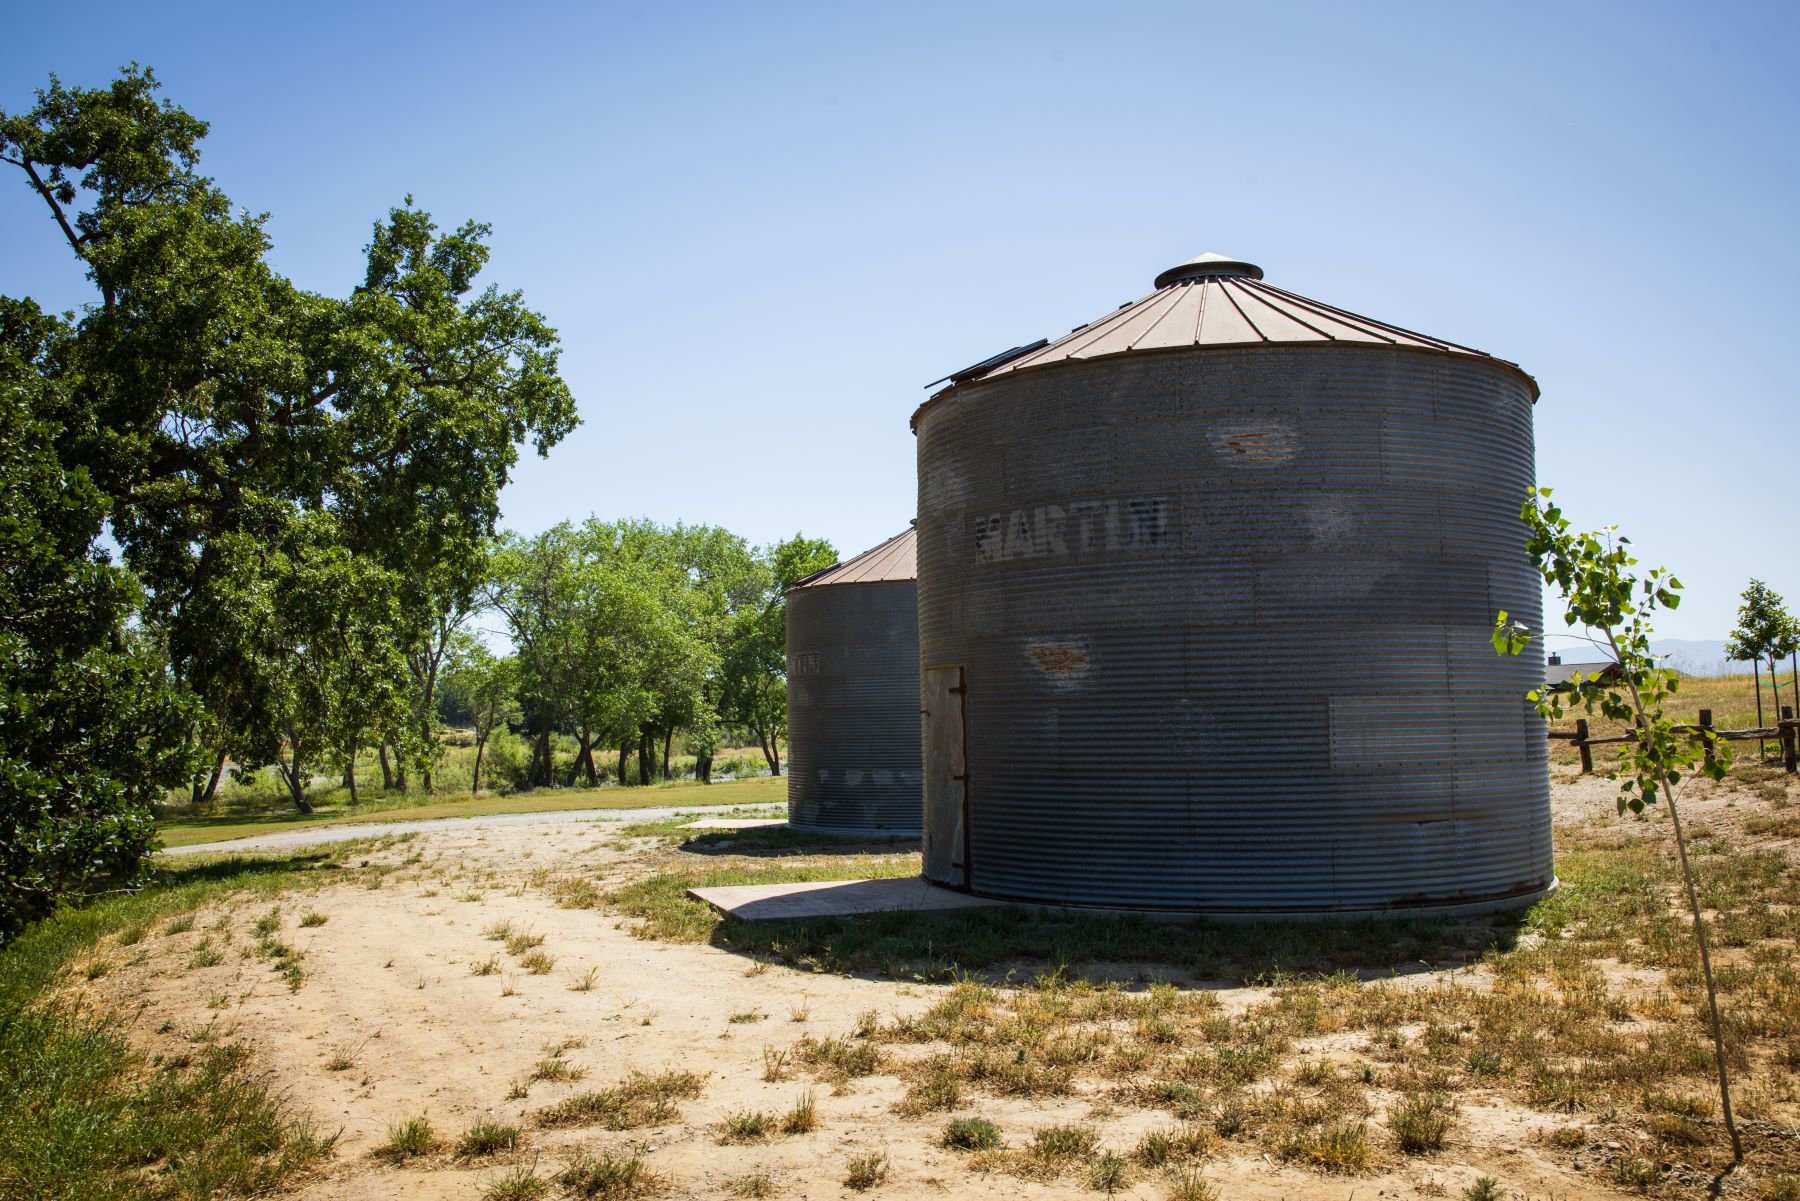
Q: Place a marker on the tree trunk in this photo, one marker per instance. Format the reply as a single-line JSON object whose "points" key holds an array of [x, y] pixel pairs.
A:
{"points": [[587, 759], [771, 755], [703, 769], [644, 754], [475, 776], [387, 770], [1756, 678], [350, 771], [668, 740], [624, 753], [294, 773], [543, 767], [204, 794], [1712, 995]]}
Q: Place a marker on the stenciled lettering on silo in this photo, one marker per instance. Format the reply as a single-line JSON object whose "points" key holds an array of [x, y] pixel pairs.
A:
{"points": [[1073, 527], [803, 663]]}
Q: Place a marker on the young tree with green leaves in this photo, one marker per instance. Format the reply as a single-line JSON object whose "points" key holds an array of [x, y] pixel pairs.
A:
{"points": [[1766, 633], [1605, 595]]}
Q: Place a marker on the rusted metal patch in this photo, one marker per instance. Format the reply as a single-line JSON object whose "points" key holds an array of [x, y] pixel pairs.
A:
{"points": [[1065, 662]]}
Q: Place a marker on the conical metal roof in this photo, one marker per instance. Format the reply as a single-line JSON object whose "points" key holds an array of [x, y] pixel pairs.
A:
{"points": [[1213, 300], [895, 559]]}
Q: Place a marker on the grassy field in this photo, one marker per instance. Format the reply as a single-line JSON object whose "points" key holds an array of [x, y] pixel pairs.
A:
{"points": [[1732, 700], [182, 831]]}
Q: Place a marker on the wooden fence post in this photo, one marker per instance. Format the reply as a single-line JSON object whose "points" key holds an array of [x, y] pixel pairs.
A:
{"points": [[1706, 739], [1587, 756], [1790, 736]]}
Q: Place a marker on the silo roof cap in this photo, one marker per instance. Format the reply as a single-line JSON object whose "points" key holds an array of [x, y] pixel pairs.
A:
{"points": [[1213, 300], [895, 559], [1202, 265]]}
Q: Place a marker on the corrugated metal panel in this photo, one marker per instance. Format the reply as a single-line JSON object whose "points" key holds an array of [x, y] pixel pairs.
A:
{"points": [[853, 696], [895, 559], [1222, 615]]}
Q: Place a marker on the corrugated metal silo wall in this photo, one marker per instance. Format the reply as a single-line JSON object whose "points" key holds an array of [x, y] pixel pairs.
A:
{"points": [[853, 707], [1223, 620]]}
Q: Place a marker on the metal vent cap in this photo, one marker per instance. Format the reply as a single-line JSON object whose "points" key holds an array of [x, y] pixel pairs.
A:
{"points": [[1207, 264]]}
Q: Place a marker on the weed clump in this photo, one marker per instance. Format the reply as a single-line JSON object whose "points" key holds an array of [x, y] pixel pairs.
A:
{"points": [[1419, 1124], [744, 1126], [408, 1140], [971, 1134], [864, 1172], [640, 1099], [520, 1184], [1342, 1147], [605, 1177], [486, 1138], [1053, 1148], [803, 1118]]}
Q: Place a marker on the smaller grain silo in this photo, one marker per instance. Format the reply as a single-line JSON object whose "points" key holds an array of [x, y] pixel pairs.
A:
{"points": [[853, 695]]}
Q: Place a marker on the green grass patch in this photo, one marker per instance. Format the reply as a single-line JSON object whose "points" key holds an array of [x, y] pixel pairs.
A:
{"points": [[191, 831], [907, 945], [84, 1117]]}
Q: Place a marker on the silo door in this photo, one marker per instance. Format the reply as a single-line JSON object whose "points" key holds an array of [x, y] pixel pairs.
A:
{"points": [[946, 778]]}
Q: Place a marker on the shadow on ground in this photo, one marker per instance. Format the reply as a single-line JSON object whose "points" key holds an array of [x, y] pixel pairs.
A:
{"points": [[767, 842], [1019, 942]]}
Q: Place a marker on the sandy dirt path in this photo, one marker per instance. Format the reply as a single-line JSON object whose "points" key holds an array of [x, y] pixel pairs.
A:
{"points": [[433, 1016], [325, 835]]}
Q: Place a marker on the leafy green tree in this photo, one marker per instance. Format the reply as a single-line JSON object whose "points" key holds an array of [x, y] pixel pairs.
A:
{"points": [[91, 730], [1606, 596], [225, 411], [1766, 633], [753, 678], [535, 587], [485, 686]]}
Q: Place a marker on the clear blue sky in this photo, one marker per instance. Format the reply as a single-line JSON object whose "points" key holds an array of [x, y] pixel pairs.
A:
{"points": [[761, 228]]}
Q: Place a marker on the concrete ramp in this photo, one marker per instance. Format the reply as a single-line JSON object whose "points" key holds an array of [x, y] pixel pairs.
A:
{"points": [[734, 823], [835, 898]]}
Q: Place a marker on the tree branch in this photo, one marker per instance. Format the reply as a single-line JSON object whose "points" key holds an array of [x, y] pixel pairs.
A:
{"points": [[62, 220]]}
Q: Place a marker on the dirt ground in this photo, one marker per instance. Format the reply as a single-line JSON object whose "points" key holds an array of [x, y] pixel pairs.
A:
{"points": [[398, 1014]]}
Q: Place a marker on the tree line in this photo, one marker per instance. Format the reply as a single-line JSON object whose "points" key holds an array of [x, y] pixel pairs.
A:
{"points": [[626, 633], [243, 523]]}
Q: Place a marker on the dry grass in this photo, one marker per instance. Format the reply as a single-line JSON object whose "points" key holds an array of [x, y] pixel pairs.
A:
{"points": [[641, 1099]]}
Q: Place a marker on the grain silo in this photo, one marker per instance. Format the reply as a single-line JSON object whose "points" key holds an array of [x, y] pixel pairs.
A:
{"points": [[1205, 594], [853, 695]]}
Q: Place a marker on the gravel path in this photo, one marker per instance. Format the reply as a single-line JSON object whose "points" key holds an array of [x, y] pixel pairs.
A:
{"points": [[288, 840]]}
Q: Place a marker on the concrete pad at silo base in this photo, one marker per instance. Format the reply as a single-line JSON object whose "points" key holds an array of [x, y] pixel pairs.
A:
{"points": [[734, 823], [835, 898]]}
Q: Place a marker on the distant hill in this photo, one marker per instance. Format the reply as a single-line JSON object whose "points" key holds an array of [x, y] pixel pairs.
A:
{"points": [[1696, 657]]}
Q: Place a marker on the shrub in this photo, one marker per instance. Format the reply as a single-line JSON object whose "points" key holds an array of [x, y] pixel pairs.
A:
{"points": [[864, 1172], [971, 1134]]}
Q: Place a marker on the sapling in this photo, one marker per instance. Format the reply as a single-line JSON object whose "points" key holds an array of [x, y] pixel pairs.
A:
{"points": [[1765, 632], [1604, 594]]}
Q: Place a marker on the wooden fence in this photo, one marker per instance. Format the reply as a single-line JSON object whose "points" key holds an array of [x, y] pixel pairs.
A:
{"points": [[1786, 732]]}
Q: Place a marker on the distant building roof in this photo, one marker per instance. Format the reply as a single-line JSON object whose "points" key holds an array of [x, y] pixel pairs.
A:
{"points": [[1558, 673], [895, 559]]}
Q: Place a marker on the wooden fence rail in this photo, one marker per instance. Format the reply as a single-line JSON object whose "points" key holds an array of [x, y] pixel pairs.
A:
{"points": [[1786, 732]]}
